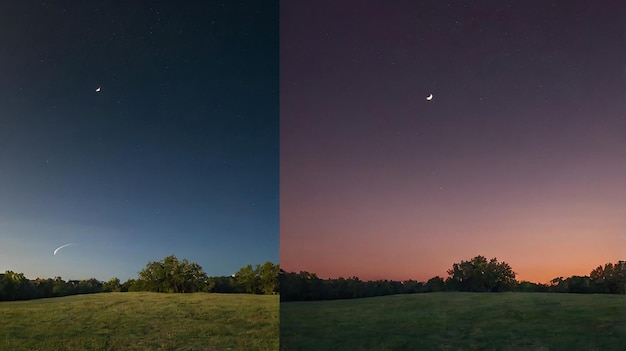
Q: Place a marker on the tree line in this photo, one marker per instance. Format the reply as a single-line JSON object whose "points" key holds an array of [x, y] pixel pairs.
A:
{"points": [[475, 275], [169, 275]]}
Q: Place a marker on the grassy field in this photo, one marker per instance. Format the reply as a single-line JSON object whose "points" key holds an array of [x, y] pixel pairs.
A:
{"points": [[141, 321], [457, 321]]}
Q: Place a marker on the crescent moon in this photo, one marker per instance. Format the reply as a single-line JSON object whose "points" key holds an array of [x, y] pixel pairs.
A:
{"points": [[429, 97]]}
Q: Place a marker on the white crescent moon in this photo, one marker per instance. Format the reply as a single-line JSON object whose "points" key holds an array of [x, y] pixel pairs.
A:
{"points": [[98, 90], [60, 247], [429, 97]]}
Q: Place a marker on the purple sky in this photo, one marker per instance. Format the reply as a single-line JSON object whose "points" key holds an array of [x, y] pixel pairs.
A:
{"points": [[520, 155]]}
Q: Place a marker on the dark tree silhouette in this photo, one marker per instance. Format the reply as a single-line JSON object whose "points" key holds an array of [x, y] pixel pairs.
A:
{"points": [[478, 275], [610, 279]]}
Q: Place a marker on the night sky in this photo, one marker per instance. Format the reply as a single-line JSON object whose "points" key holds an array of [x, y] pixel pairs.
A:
{"points": [[520, 155], [176, 154]]}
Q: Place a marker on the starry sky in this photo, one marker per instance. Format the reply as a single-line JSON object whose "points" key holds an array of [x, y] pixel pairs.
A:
{"points": [[520, 155], [176, 154]]}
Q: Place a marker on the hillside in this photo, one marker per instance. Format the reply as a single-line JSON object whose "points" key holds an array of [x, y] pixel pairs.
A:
{"points": [[457, 321], [141, 321]]}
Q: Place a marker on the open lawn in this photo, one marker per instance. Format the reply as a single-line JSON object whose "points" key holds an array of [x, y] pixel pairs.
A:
{"points": [[457, 321], [141, 321]]}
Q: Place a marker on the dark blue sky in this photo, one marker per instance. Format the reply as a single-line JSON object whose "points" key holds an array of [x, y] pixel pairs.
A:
{"points": [[176, 154]]}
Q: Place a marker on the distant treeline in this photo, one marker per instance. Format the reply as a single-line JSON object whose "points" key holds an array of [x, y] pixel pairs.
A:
{"points": [[475, 275], [169, 275]]}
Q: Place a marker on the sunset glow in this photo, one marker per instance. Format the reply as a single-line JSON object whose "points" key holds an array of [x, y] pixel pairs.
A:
{"points": [[521, 155]]}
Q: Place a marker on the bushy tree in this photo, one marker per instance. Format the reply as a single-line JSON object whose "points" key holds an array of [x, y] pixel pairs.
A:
{"points": [[112, 285], [435, 284], [580, 285], [303, 286], [14, 286], [59, 287], [480, 275], [89, 286], [132, 285], [172, 275], [610, 279], [262, 279], [558, 284], [412, 286], [223, 285], [268, 278], [248, 279], [43, 287]]}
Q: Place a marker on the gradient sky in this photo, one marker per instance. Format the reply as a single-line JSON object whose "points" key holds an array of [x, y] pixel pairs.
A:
{"points": [[521, 154], [177, 154]]}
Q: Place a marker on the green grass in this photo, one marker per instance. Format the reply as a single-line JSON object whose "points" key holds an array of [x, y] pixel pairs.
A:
{"points": [[141, 321], [457, 321]]}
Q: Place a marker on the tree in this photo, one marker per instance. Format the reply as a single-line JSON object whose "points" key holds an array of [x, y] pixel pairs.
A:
{"points": [[248, 279], [262, 279], [500, 276], [435, 284], [558, 285], [268, 278], [172, 275], [89, 286], [127, 285], [579, 284], [112, 285], [304, 286], [59, 288], [412, 286], [469, 275], [223, 284], [14, 286], [478, 275], [610, 279], [43, 287]]}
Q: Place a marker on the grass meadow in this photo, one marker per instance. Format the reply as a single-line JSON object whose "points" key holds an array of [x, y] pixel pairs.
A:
{"points": [[141, 321], [457, 321]]}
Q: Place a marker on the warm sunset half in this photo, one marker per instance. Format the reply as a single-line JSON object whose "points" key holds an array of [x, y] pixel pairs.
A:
{"points": [[520, 154]]}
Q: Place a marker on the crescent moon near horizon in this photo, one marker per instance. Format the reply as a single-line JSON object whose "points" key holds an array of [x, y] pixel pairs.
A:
{"points": [[62, 246], [429, 97]]}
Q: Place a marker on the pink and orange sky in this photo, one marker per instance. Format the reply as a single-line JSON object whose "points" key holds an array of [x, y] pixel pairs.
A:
{"points": [[521, 154]]}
